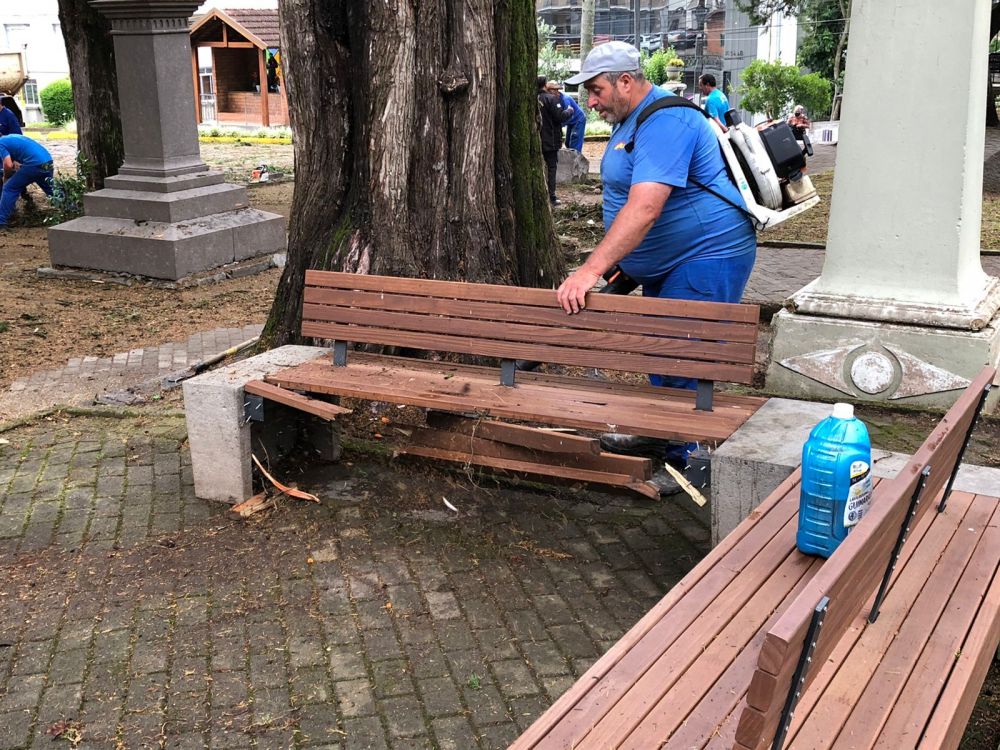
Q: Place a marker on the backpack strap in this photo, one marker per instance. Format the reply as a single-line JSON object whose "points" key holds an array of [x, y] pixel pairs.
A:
{"points": [[668, 102]]}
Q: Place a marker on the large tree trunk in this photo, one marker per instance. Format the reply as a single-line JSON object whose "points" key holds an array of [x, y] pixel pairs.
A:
{"points": [[992, 119], [586, 40], [91, 56], [416, 145]]}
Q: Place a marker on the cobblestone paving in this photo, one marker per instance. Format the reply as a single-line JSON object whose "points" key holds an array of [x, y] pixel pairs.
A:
{"points": [[85, 379], [133, 615]]}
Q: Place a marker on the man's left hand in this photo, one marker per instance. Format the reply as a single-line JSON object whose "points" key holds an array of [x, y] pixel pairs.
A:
{"points": [[572, 293]]}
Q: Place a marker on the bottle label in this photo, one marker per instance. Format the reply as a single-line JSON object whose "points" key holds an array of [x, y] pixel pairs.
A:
{"points": [[859, 497]]}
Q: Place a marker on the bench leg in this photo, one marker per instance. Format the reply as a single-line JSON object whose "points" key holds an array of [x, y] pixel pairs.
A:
{"points": [[339, 353], [703, 400], [507, 369]]}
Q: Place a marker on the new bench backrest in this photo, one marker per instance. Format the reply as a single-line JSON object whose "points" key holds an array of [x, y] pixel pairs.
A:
{"points": [[705, 340], [851, 574]]}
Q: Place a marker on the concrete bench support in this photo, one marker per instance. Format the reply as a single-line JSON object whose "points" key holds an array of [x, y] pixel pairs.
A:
{"points": [[768, 447], [220, 439]]}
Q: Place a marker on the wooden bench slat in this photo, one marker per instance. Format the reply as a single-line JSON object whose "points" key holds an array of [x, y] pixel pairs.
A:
{"points": [[586, 320], [739, 545], [566, 341], [945, 729], [821, 721], [537, 352], [515, 434], [968, 588], [541, 297], [635, 467], [526, 467], [713, 659], [295, 400], [460, 391]]}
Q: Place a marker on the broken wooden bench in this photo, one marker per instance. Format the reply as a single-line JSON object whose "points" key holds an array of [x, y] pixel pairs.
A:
{"points": [[706, 341], [761, 646]]}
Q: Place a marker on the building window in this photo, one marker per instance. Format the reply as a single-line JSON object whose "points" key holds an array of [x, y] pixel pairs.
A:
{"points": [[207, 84], [16, 35], [29, 93]]}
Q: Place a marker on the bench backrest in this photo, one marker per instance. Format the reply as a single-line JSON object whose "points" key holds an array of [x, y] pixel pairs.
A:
{"points": [[704, 340], [851, 574]]}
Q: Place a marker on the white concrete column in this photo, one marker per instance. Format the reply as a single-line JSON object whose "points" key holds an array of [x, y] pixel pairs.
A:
{"points": [[903, 311], [905, 221]]}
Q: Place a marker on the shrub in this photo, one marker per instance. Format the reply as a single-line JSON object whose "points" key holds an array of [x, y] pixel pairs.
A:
{"points": [[67, 193], [57, 102], [773, 88]]}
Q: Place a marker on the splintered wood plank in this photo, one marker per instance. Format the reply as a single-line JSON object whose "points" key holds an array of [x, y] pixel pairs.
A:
{"points": [[669, 417], [525, 467], [606, 341], [295, 400], [525, 296], [727, 658], [930, 675], [515, 434], [586, 320], [732, 373], [640, 469], [827, 704], [655, 664], [708, 577], [947, 724]]}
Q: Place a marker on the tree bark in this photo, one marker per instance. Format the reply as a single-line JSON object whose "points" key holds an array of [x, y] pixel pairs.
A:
{"points": [[838, 58], [91, 56], [586, 38], [416, 145]]}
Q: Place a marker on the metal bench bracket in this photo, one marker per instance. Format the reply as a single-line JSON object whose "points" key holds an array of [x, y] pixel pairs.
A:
{"points": [[339, 353], [965, 444], [798, 681], [507, 369], [904, 531], [703, 401]]}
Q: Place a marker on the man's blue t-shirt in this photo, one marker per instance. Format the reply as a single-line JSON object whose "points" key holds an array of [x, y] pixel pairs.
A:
{"points": [[716, 104], [578, 116], [20, 148], [9, 123], [672, 146]]}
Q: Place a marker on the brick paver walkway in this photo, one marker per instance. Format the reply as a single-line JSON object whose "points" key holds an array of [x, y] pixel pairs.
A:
{"points": [[140, 617], [85, 380]]}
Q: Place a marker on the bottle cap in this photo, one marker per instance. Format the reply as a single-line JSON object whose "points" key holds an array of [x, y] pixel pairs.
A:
{"points": [[843, 411]]}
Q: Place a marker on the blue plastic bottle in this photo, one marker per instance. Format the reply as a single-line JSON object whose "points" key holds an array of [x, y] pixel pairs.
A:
{"points": [[836, 481]]}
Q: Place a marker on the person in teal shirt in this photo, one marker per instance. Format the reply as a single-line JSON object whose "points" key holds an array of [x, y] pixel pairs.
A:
{"points": [[24, 161], [715, 102]]}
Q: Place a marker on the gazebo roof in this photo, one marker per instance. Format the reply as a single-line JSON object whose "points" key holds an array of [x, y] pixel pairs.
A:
{"points": [[259, 26]]}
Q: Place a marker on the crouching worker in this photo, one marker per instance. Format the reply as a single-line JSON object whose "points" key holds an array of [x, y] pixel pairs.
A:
{"points": [[25, 161], [672, 217]]}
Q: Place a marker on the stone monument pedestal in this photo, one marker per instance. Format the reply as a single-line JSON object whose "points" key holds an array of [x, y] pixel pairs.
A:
{"points": [[165, 215]]}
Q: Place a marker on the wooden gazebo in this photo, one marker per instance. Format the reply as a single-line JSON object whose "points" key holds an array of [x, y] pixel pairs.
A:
{"points": [[245, 46]]}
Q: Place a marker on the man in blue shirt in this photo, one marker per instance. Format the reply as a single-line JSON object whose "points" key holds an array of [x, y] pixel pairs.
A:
{"points": [[576, 125], [715, 102], [10, 123], [675, 238], [24, 161]]}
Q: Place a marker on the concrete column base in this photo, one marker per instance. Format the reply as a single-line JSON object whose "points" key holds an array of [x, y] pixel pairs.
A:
{"points": [[828, 358], [166, 228], [220, 439], [768, 447]]}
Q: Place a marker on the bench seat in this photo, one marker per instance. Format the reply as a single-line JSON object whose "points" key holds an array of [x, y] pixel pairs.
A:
{"points": [[679, 677], [541, 398]]}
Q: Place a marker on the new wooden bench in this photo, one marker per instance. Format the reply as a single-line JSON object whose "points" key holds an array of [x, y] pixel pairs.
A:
{"points": [[700, 340], [761, 646]]}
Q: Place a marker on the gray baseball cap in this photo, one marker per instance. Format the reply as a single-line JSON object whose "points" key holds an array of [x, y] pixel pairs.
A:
{"points": [[607, 58]]}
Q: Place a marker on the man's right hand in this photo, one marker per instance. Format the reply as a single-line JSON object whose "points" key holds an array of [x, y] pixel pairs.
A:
{"points": [[572, 293]]}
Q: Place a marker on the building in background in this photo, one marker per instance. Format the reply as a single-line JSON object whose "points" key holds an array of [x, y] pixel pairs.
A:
{"points": [[711, 36], [33, 30]]}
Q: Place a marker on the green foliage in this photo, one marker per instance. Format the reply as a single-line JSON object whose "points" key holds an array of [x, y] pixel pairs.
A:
{"points": [[760, 11], [654, 66], [67, 193], [57, 102], [774, 88], [552, 63]]}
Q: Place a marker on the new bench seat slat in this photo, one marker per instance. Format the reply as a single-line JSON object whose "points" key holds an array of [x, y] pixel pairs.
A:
{"points": [[733, 373], [967, 586], [695, 592], [585, 320], [609, 343], [458, 390], [540, 297]]}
